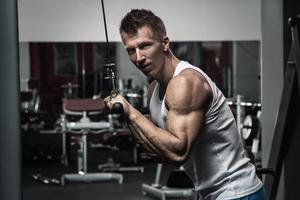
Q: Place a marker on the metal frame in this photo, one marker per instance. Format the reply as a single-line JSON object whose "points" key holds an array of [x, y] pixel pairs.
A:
{"points": [[281, 138], [164, 192], [80, 129]]}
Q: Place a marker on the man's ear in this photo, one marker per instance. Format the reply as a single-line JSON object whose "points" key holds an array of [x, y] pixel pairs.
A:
{"points": [[166, 43]]}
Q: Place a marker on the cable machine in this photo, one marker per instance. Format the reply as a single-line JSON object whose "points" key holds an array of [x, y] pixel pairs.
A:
{"points": [[285, 145]]}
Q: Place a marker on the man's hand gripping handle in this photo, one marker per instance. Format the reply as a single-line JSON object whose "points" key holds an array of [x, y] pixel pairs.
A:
{"points": [[110, 74]]}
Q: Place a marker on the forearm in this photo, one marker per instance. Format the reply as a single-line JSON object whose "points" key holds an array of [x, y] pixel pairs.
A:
{"points": [[155, 140], [142, 141]]}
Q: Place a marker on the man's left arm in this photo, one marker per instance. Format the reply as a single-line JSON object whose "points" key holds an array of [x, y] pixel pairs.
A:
{"points": [[187, 98]]}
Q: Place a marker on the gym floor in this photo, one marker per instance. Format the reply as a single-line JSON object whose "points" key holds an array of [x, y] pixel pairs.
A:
{"points": [[106, 190]]}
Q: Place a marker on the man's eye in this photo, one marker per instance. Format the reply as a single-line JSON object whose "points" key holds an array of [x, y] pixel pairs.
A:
{"points": [[144, 46], [130, 51]]}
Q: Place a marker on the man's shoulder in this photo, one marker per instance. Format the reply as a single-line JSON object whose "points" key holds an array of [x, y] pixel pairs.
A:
{"points": [[188, 76], [195, 71], [189, 85]]}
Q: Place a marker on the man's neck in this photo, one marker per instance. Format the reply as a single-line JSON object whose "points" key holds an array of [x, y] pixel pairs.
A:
{"points": [[169, 67]]}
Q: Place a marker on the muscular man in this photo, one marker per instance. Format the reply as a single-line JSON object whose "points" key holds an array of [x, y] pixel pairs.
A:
{"points": [[191, 124]]}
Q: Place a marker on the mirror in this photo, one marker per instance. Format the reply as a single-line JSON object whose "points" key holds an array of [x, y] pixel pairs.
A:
{"points": [[231, 64], [51, 72]]}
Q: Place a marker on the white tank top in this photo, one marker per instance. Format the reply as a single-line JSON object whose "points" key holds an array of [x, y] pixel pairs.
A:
{"points": [[217, 165]]}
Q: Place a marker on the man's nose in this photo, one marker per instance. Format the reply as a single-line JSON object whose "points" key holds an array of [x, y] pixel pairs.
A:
{"points": [[139, 56]]}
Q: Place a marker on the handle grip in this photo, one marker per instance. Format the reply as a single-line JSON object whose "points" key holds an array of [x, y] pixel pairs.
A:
{"points": [[117, 108]]}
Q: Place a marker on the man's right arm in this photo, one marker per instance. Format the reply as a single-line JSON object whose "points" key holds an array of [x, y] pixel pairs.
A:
{"points": [[150, 150]]}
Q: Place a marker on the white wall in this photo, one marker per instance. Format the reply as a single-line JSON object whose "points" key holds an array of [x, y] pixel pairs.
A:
{"points": [[272, 74], [24, 64], [189, 20]]}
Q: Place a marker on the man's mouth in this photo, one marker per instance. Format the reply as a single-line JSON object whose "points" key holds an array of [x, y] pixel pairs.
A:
{"points": [[143, 66]]}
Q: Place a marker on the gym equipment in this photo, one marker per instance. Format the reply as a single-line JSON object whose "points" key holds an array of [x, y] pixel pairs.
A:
{"points": [[285, 145], [10, 137], [251, 134], [240, 108], [30, 99], [250, 127], [70, 90], [79, 131], [119, 139], [46, 180], [171, 190], [30, 106]]}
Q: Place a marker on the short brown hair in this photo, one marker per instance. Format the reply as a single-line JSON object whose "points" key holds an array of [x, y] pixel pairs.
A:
{"points": [[138, 18]]}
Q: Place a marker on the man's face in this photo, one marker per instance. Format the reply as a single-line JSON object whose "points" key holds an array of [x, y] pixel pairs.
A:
{"points": [[145, 50]]}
